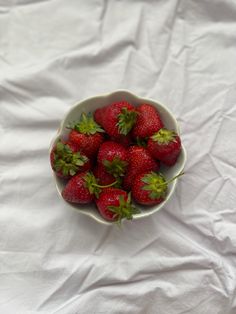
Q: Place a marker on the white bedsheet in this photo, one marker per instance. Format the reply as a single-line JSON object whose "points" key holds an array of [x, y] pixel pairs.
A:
{"points": [[180, 260]]}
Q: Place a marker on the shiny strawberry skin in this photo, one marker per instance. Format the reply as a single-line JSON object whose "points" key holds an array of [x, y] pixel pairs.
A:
{"points": [[109, 150], [109, 197], [87, 144], [107, 117], [139, 160], [142, 196], [166, 153], [148, 121], [99, 115], [75, 190]]}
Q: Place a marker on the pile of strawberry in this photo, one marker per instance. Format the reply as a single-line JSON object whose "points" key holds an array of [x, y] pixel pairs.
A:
{"points": [[113, 157]]}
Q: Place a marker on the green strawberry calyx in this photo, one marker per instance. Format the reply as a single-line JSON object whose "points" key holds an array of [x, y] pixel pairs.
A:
{"points": [[126, 120], [86, 125], [156, 184], [125, 209], [116, 167], [66, 161], [92, 185], [164, 136]]}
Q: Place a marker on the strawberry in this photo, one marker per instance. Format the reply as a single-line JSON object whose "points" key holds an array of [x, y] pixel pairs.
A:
{"points": [[115, 204], [86, 134], [165, 145], [102, 176], [113, 156], [99, 115], [117, 119], [73, 146], [66, 161], [150, 188], [148, 121], [81, 188], [139, 160]]}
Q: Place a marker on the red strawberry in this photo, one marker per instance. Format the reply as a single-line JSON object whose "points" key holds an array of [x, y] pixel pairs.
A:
{"points": [[116, 119], [115, 204], [148, 121], [81, 189], [102, 176], [73, 146], [99, 115], [165, 145], [88, 164], [113, 156], [66, 162], [139, 160], [150, 188], [86, 134]]}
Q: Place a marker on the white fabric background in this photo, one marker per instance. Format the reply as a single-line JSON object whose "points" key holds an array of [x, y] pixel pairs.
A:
{"points": [[180, 260]]}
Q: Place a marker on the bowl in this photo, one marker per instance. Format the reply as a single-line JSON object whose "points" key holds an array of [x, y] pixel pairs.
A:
{"points": [[90, 105]]}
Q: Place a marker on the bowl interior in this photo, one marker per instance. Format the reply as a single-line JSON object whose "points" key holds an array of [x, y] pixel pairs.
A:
{"points": [[90, 105]]}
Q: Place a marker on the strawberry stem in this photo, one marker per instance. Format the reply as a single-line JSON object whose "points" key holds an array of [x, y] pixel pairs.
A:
{"points": [[156, 184], [105, 186], [172, 179]]}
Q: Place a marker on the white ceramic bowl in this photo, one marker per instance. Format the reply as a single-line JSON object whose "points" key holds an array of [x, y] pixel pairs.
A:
{"points": [[90, 105]]}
